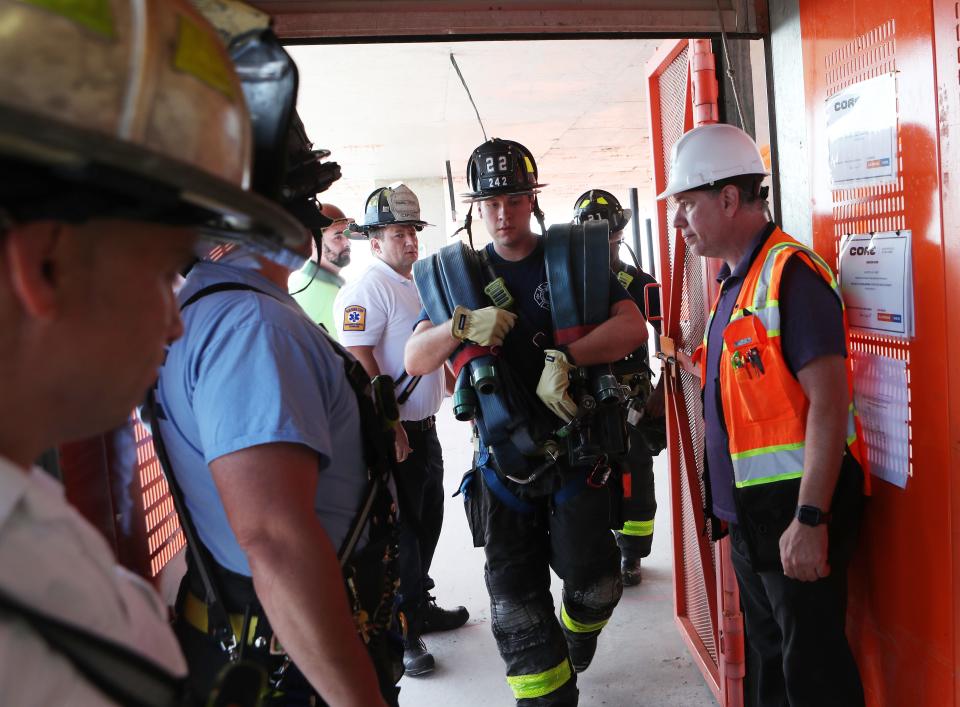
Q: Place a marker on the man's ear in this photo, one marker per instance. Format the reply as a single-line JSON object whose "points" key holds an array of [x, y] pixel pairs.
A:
{"points": [[730, 199], [29, 250]]}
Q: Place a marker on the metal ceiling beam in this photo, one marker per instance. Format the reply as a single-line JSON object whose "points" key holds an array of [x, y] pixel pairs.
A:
{"points": [[365, 20]]}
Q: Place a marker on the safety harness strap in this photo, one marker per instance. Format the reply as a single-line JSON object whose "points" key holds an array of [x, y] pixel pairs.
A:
{"points": [[122, 674], [503, 494], [219, 618]]}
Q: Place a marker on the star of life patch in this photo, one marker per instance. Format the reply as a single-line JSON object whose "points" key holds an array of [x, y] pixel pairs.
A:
{"points": [[354, 318]]}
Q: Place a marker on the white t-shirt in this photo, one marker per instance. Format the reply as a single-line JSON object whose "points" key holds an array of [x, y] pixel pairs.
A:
{"points": [[380, 309], [53, 560]]}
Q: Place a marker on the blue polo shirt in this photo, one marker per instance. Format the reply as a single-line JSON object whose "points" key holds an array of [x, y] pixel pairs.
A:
{"points": [[811, 326], [252, 369]]}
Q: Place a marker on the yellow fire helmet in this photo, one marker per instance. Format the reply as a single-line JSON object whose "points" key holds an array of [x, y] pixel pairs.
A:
{"points": [[132, 107]]}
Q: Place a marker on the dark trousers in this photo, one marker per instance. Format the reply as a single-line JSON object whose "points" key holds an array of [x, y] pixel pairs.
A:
{"points": [[573, 537], [797, 651], [639, 506], [420, 489]]}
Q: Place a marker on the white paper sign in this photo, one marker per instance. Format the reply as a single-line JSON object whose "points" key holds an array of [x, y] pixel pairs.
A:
{"points": [[876, 276], [880, 394], [862, 133]]}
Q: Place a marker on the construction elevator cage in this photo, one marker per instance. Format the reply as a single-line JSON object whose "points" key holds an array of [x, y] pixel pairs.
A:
{"points": [[904, 616]]}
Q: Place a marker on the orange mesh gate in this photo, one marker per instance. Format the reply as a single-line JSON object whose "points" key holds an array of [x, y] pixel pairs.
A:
{"points": [[705, 595]]}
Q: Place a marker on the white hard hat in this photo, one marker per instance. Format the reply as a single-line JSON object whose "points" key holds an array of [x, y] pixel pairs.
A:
{"points": [[710, 153], [125, 94]]}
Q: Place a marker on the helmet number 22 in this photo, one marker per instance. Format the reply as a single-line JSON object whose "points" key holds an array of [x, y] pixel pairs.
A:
{"points": [[501, 164]]}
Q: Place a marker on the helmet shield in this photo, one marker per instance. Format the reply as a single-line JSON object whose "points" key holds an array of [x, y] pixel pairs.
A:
{"points": [[500, 167], [598, 204], [389, 206]]}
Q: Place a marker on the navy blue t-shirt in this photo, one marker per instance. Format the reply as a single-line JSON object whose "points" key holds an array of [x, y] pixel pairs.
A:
{"points": [[526, 280], [811, 326]]}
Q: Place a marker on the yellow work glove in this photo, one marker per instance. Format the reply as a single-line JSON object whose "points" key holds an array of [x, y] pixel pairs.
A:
{"points": [[555, 383], [486, 326]]}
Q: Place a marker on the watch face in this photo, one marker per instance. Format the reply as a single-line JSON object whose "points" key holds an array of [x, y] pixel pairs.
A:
{"points": [[808, 515]]}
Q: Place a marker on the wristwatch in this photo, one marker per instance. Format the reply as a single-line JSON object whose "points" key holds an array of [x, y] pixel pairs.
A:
{"points": [[811, 515]]}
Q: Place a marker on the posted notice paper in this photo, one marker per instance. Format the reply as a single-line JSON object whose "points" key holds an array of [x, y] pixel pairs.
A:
{"points": [[880, 394], [876, 277]]}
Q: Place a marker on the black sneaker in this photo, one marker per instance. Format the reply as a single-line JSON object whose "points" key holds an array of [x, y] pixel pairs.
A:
{"points": [[437, 619], [417, 660], [630, 572], [581, 649]]}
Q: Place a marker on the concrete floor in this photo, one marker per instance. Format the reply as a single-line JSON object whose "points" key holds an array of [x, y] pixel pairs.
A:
{"points": [[641, 659]]}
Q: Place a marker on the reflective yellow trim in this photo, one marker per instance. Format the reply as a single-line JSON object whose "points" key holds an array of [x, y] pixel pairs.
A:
{"points": [[601, 200], [767, 450], [95, 15], [528, 687], [575, 626], [528, 163], [200, 54], [625, 278], [638, 528], [769, 479]]}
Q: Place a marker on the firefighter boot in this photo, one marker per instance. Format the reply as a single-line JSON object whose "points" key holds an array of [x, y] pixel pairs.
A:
{"points": [[581, 648], [630, 571], [417, 660], [438, 619]]}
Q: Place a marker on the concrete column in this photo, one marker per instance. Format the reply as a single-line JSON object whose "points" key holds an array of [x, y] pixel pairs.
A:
{"points": [[791, 115]]}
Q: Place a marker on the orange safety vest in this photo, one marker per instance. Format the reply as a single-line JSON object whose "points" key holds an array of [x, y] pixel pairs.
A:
{"points": [[764, 406]]}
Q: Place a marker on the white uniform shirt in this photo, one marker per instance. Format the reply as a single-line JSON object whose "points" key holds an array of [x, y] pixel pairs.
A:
{"points": [[53, 560], [380, 309]]}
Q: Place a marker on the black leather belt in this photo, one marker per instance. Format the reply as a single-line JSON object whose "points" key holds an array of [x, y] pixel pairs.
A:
{"points": [[423, 425]]}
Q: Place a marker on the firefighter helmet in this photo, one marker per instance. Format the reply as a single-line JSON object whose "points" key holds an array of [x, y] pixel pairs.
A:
{"points": [[500, 167], [710, 153], [598, 204], [395, 205], [158, 123]]}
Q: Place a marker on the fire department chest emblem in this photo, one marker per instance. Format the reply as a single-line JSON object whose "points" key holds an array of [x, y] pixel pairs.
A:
{"points": [[542, 295]]}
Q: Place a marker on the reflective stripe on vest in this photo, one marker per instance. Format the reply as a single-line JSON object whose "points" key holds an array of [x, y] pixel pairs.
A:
{"points": [[528, 687], [770, 447]]}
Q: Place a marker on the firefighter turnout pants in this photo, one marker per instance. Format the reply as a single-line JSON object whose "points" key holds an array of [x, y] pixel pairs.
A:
{"points": [[568, 530], [639, 506]]}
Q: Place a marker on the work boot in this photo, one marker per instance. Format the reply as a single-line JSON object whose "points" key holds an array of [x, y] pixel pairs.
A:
{"points": [[581, 649], [417, 660], [437, 619], [630, 571]]}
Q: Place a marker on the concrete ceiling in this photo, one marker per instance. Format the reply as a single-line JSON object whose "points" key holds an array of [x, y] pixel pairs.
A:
{"points": [[398, 111]]}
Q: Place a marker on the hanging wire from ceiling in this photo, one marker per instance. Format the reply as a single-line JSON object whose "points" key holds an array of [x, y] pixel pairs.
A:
{"points": [[729, 67], [453, 60]]}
